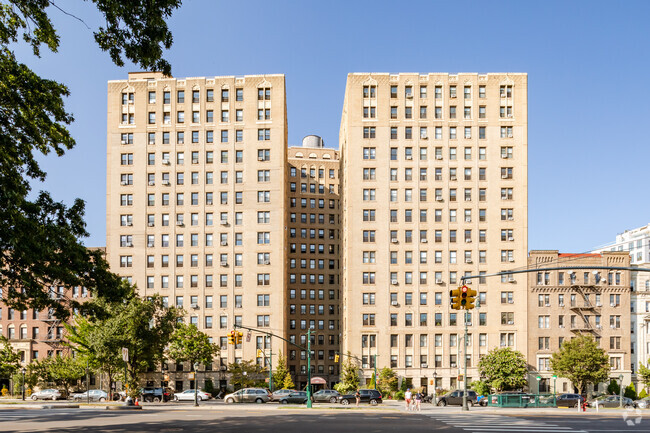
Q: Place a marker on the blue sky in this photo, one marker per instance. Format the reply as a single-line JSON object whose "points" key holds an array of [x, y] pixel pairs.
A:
{"points": [[587, 61]]}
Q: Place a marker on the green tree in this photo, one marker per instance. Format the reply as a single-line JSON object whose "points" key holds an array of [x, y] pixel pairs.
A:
{"points": [[581, 361], [387, 381], [189, 344], [245, 374], [349, 378], [373, 382], [630, 391], [481, 387], [9, 358], [40, 238], [613, 388], [644, 374], [281, 372], [288, 382], [64, 371], [643, 394], [503, 369]]}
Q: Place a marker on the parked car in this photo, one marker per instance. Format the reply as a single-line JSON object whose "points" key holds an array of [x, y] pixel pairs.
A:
{"points": [[249, 395], [455, 398], [47, 394], [92, 395], [299, 397], [371, 396], [156, 395], [569, 400], [643, 403], [325, 396], [188, 395], [612, 401], [277, 395]]}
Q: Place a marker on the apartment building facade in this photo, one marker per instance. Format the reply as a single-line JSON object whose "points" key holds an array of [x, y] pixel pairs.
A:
{"points": [[433, 188], [196, 203], [636, 243], [569, 302], [313, 270]]}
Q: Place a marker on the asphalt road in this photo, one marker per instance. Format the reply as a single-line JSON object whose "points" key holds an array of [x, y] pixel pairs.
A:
{"points": [[273, 418]]}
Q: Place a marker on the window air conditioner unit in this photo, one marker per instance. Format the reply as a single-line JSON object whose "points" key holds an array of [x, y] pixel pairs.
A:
{"points": [[452, 96], [468, 220], [468, 241], [561, 326], [424, 137], [224, 222], [150, 244], [510, 218], [394, 303], [468, 261], [195, 161], [224, 263], [181, 141], [129, 223], [438, 198], [165, 182], [409, 157], [504, 176], [612, 304], [123, 141], [208, 202], [452, 177], [424, 241], [511, 239], [438, 156], [438, 281], [152, 183], [409, 96], [599, 304], [612, 326], [393, 282], [394, 240], [509, 116], [166, 162], [424, 366], [504, 156], [510, 135], [468, 282], [511, 280], [267, 262], [599, 326], [224, 243], [129, 244], [129, 101], [510, 322], [547, 305], [150, 224], [194, 306], [511, 259], [179, 223], [167, 122], [260, 158], [511, 301]]}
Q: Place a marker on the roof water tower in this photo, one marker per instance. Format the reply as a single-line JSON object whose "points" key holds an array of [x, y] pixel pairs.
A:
{"points": [[313, 142]]}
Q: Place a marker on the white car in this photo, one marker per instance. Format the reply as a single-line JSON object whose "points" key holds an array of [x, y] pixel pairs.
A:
{"points": [[188, 395]]}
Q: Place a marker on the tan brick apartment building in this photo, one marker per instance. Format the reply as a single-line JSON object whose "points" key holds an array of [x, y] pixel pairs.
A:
{"points": [[197, 201], [434, 187], [568, 302], [313, 274]]}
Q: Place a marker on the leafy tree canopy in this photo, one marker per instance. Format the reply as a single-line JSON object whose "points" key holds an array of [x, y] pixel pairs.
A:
{"points": [[281, 372], [581, 361], [64, 371], [388, 381], [481, 387], [349, 378], [189, 344], [246, 374], [503, 369], [40, 239], [9, 358], [644, 374]]}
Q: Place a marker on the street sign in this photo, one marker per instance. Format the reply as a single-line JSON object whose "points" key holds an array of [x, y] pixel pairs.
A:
{"points": [[192, 375], [125, 354], [248, 337]]}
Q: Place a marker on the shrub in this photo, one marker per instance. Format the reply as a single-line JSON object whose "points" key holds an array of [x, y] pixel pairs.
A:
{"points": [[630, 392], [399, 395]]}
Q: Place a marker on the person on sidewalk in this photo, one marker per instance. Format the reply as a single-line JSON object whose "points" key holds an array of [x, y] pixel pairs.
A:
{"points": [[418, 401], [357, 396], [407, 398]]}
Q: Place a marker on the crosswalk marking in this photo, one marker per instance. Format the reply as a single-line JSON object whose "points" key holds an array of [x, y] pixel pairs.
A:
{"points": [[500, 423]]}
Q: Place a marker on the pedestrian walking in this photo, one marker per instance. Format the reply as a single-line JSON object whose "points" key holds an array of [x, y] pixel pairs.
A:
{"points": [[407, 397], [418, 401], [357, 396]]}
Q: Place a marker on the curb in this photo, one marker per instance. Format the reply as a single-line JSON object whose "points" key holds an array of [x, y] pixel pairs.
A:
{"points": [[123, 407], [60, 406]]}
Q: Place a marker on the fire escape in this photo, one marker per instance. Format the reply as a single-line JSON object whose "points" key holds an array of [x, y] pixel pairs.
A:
{"points": [[586, 308]]}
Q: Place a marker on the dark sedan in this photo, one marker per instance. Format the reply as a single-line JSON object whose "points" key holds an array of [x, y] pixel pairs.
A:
{"points": [[371, 396], [325, 396], [299, 397], [569, 400]]}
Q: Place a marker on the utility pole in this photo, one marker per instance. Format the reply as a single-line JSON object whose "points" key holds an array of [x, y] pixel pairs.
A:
{"points": [[309, 368], [375, 356], [270, 362]]}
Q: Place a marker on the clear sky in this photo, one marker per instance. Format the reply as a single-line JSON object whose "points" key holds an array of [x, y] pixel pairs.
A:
{"points": [[588, 64]]}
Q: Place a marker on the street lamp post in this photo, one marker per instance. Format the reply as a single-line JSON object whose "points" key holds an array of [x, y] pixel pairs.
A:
{"points": [[309, 368], [554, 381], [196, 383], [375, 371], [435, 391], [23, 371], [87, 383], [620, 390]]}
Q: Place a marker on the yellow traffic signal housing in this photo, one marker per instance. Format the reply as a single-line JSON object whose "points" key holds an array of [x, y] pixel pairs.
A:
{"points": [[336, 358], [455, 299], [238, 337], [231, 337], [259, 353], [471, 299]]}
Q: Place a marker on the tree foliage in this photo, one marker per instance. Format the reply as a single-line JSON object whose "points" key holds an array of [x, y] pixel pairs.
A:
{"points": [[388, 381], [481, 387], [64, 371], [281, 373], [630, 391], [503, 369], [245, 374], [644, 374], [189, 344], [40, 239], [613, 387], [288, 382], [581, 361], [9, 358], [349, 377]]}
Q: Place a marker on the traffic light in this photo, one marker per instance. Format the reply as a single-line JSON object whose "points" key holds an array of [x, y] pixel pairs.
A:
{"points": [[463, 297], [238, 337], [259, 353], [455, 299], [460, 377], [336, 358], [231, 337], [471, 299]]}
